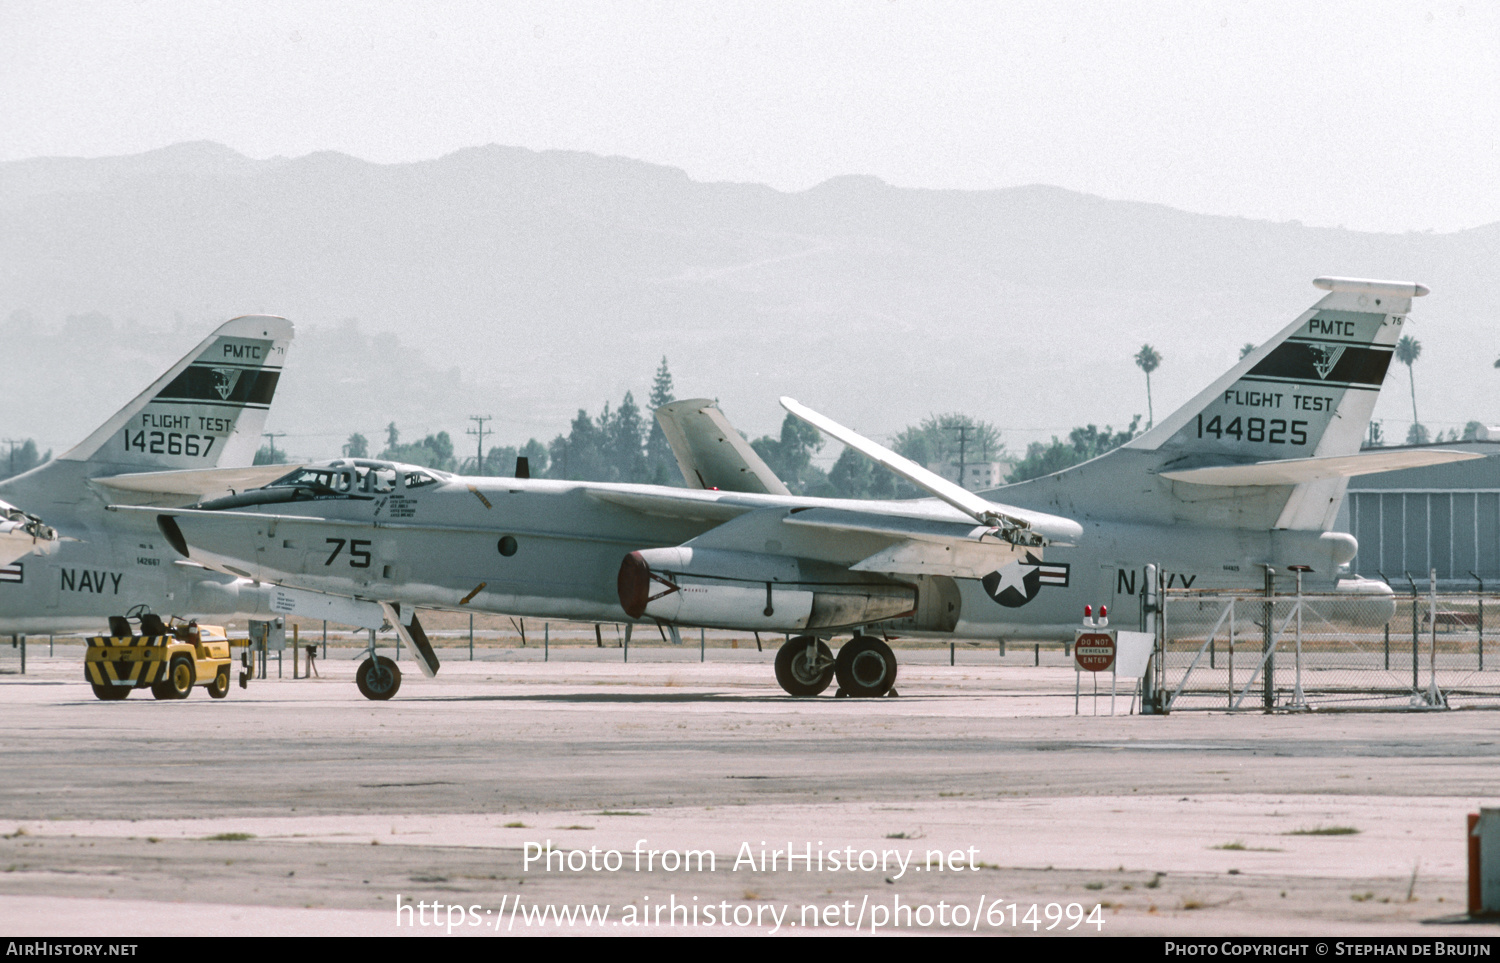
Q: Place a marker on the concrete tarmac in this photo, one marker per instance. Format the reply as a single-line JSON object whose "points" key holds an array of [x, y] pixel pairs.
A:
{"points": [[670, 794]]}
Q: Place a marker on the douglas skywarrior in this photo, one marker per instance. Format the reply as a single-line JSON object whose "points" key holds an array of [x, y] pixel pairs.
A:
{"points": [[192, 433], [1247, 475]]}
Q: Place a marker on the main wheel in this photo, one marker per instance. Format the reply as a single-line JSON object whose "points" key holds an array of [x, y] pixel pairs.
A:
{"points": [[111, 693], [801, 673], [866, 667], [219, 688], [378, 678]]}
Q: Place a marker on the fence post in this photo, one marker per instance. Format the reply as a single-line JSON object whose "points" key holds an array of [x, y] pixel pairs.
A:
{"points": [[1232, 602], [1268, 697], [1434, 694], [1153, 621], [1481, 618], [1415, 683], [1299, 699]]}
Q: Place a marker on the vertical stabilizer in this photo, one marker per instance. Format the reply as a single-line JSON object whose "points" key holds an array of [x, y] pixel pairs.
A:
{"points": [[207, 411], [1308, 392]]}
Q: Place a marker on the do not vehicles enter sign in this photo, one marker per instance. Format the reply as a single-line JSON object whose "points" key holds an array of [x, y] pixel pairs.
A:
{"points": [[1094, 651]]}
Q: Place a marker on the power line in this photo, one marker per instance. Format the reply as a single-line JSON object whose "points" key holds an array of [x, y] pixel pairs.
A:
{"points": [[273, 435], [480, 431]]}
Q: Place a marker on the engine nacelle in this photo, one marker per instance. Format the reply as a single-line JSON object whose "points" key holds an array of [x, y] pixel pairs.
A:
{"points": [[715, 588]]}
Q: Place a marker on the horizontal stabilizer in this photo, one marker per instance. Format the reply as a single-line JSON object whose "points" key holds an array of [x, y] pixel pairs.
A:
{"points": [[1295, 471], [1018, 525], [711, 453], [195, 482]]}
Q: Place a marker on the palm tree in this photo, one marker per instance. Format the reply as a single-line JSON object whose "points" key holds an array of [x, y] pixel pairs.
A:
{"points": [[1251, 346], [1148, 360], [1408, 350]]}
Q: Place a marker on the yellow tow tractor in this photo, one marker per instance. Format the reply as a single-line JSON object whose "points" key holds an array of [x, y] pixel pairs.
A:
{"points": [[170, 659]]}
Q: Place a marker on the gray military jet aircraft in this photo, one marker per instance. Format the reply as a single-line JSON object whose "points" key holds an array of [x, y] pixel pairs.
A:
{"points": [[193, 432], [1248, 474]]}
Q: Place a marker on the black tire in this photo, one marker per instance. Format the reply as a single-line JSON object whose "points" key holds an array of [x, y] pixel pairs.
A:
{"points": [[180, 678], [219, 688], [378, 678], [111, 693], [866, 667], [793, 672]]}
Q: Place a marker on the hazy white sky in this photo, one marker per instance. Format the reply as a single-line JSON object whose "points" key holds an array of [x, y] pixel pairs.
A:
{"points": [[1375, 115]]}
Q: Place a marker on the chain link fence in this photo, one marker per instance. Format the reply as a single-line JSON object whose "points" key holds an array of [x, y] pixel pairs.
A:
{"points": [[1290, 651]]}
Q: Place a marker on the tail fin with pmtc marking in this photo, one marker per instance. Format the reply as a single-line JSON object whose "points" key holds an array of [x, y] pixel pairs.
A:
{"points": [[207, 411], [1271, 443]]}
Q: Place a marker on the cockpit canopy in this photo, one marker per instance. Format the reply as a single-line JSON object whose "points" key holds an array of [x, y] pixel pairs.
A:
{"points": [[357, 476], [345, 478]]}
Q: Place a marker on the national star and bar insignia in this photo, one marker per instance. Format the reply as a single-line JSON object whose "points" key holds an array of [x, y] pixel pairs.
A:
{"points": [[1017, 583]]}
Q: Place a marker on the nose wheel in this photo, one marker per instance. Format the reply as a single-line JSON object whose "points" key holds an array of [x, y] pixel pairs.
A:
{"points": [[378, 678]]}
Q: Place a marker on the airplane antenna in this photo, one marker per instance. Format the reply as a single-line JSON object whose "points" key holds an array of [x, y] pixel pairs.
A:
{"points": [[480, 431]]}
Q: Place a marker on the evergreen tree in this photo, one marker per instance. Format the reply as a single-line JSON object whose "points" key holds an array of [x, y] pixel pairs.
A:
{"points": [[580, 455], [623, 439], [358, 446], [661, 464]]}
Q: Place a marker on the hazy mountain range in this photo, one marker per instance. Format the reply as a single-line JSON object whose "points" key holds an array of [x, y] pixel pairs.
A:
{"points": [[523, 285]]}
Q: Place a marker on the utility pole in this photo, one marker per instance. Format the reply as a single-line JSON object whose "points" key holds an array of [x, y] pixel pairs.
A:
{"points": [[273, 435], [963, 439], [13, 442], [480, 431]]}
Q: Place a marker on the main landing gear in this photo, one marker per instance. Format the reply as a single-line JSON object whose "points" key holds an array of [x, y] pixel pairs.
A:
{"points": [[865, 667]]}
